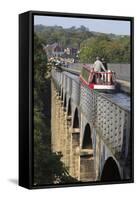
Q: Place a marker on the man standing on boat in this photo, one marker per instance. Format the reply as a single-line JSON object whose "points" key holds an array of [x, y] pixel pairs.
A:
{"points": [[98, 65], [104, 63], [98, 68]]}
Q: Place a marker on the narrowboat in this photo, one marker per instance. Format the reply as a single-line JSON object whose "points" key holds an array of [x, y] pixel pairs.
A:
{"points": [[98, 80]]}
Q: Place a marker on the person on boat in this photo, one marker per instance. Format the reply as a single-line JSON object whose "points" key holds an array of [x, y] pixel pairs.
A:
{"points": [[104, 63], [104, 76], [98, 65]]}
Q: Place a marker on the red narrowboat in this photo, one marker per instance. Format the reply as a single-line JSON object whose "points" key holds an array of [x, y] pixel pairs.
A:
{"points": [[98, 80]]}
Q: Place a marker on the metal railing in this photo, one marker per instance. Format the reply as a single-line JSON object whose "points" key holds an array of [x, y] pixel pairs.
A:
{"points": [[105, 78]]}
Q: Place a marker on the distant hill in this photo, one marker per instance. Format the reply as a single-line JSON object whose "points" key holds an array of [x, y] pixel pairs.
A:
{"points": [[67, 37], [114, 48]]}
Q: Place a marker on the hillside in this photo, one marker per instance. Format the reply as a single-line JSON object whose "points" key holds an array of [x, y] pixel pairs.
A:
{"points": [[115, 48]]}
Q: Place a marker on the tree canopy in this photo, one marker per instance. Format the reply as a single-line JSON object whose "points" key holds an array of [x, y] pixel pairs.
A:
{"points": [[69, 37], [48, 168], [113, 50]]}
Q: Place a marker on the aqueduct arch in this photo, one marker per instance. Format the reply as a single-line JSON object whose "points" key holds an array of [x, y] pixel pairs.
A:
{"points": [[110, 171], [76, 119], [87, 170], [87, 141], [62, 94], [69, 107], [65, 102], [75, 143]]}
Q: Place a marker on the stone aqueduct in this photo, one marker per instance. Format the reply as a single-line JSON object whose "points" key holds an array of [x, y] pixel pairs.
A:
{"points": [[91, 132]]}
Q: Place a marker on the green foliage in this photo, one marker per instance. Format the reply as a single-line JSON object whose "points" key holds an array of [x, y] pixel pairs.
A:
{"points": [[69, 37], [48, 168], [113, 50]]}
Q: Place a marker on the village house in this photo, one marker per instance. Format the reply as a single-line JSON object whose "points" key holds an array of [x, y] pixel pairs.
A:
{"points": [[54, 50]]}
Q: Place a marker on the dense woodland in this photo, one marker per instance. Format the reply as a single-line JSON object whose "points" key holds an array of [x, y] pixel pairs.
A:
{"points": [[48, 168], [114, 48]]}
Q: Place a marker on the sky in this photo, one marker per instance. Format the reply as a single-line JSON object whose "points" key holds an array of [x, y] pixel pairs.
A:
{"points": [[99, 25]]}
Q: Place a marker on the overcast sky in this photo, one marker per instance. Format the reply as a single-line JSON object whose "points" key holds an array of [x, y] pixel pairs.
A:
{"points": [[99, 25]]}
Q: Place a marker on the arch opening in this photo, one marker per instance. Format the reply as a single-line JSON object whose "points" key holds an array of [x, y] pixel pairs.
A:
{"points": [[62, 95], [65, 102], [87, 141], [110, 171], [76, 119], [69, 107]]}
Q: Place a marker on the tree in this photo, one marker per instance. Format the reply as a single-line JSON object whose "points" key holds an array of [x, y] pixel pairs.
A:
{"points": [[113, 50], [48, 168]]}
